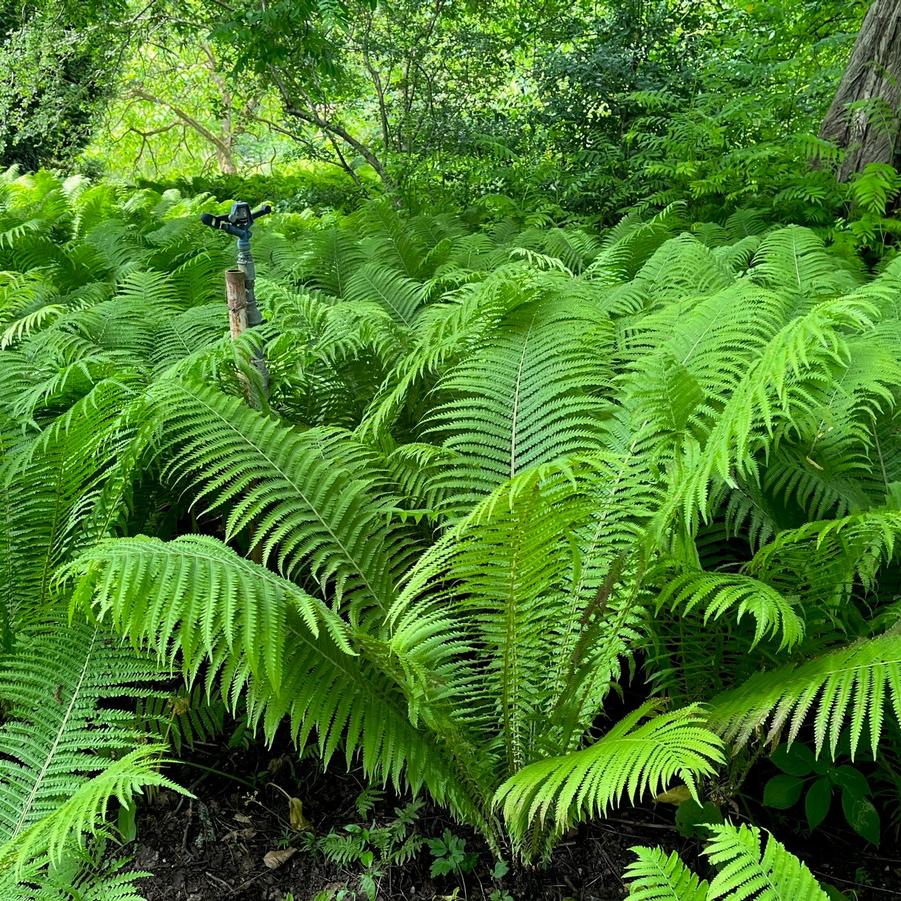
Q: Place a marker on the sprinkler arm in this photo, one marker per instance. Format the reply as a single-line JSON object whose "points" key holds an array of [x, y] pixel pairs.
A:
{"points": [[238, 222]]}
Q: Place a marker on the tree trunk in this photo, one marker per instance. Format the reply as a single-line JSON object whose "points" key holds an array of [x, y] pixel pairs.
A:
{"points": [[227, 165], [868, 130]]}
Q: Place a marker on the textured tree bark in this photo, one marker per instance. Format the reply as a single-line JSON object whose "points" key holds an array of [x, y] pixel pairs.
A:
{"points": [[873, 79]]}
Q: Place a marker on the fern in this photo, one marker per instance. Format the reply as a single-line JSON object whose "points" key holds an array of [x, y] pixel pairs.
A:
{"points": [[54, 789], [304, 496], [229, 620], [775, 616], [524, 401], [658, 877], [847, 686], [500, 465], [745, 871], [628, 760]]}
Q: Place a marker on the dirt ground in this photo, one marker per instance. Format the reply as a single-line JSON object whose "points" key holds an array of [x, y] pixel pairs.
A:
{"points": [[213, 846]]}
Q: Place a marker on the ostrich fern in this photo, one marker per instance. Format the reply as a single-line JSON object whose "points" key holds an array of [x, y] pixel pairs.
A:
{"points": [[498, 468]]}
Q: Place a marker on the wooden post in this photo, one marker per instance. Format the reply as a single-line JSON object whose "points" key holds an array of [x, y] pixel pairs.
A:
{"points": [[239, 298], [236, 293]]}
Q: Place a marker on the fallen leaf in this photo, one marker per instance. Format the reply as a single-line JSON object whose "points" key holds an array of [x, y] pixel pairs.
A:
{"points": [[299, 823], [274, 859], [677, 795], [245, 834]]}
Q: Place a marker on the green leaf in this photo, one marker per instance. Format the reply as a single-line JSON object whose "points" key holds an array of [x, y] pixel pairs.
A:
{"points": [[795, 761], [851, 780], [862, 817], [782, 791], [501, 868], [818, 801]]}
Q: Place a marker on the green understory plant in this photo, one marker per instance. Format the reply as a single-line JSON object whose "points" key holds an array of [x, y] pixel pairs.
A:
{"points": [[748, 866], [372, 850], [499, 469], [819, 781]]}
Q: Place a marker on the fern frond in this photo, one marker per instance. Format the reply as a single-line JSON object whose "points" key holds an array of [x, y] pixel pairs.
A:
{"points": [[847, 686], [747, 873], [233, 608], [630, 760], [303, 497], [527, 399], [65, 690], [654, 876], [829, 557], [775, 389], [794, 259], [84, 874], [774, 615], [399, 295], [228, 620]]}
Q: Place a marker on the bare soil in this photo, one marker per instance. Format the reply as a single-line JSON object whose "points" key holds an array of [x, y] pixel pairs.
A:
{"points": [[213, 846]]}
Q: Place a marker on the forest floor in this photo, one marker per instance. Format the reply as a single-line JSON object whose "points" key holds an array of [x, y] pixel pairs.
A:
{"points": [[213, 846]]}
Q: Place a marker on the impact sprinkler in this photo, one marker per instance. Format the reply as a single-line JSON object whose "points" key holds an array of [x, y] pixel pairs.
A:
{"points": [[243, 311]]}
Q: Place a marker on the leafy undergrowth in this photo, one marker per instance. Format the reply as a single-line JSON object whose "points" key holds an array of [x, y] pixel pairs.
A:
{"points": [[502, 476]]}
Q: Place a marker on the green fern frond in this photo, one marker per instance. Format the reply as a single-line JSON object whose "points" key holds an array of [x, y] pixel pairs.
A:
{"points": [[654, 876], [715, 594], [746, 873], [45, 483], [775, 389], [829, 557], [65, 690], [794, 259], [226, 619], [527, 399], [847, 686], [303, 506], [401, 296], [84, 874], [235, 607], [630, 760], [335, 254]]}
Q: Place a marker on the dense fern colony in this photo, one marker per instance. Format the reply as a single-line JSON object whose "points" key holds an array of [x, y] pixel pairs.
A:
{"points": [[501, 471]]}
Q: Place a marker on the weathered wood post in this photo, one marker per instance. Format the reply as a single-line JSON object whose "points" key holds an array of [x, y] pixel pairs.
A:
{"points": [[236, 295]]}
